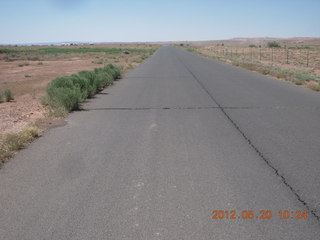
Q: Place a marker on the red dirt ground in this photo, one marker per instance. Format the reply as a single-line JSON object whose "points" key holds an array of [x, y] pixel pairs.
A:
{"points": [[28, 84]]}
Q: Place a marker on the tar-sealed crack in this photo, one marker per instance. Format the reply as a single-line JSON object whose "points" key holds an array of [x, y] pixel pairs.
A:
{"points": [[196, 108], [251, 144], [161, 108]]}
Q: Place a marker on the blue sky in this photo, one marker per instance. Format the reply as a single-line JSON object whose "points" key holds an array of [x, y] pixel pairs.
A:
{"points": [[34, 21]]}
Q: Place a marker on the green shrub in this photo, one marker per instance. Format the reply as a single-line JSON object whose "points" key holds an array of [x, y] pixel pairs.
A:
{"points": [[69, 98], [70, 91], [305, 75], [8, 95], [82, 84], [301, 75], [115, 71], [62, 82], [191, 50], [90, 76], [273, 44], [1, 97], [98, 82]]}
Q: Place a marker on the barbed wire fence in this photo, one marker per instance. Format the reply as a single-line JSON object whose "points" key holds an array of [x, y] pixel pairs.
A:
{"points": [[309, 58]]}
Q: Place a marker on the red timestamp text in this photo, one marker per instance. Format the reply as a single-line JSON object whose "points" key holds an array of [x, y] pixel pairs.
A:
{"points": [[259, 214]]}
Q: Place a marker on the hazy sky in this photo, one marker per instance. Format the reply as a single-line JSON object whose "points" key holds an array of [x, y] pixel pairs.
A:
{"points": [[34, 21]]}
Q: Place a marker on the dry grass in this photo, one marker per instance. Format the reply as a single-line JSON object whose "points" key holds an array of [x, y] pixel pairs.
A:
{"points": [[307, 57], [314, 86], [299, 66], [11, 143]]}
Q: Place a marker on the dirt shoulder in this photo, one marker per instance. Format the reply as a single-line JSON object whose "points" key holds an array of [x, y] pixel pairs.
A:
{"points": [[298, 69]]}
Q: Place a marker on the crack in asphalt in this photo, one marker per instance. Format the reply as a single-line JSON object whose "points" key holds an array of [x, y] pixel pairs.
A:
{"points": [[160, 108], [196, 108], [252, 145], [154, 76]]}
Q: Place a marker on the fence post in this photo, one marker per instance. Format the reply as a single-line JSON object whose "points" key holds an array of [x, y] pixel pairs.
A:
{"points": [[287, 56], [260, 54], [308, 58]]}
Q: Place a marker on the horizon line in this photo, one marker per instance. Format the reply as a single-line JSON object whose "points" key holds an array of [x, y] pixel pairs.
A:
{"points": [[143, 42]]}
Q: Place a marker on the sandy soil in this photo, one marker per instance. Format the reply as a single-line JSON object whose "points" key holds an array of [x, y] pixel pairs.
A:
{"points": [[28, 80], [28, 83], [17, 114], [38, 74]]}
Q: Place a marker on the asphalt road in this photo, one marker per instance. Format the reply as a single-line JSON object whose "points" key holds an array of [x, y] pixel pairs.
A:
{"points": [[152, 156]]}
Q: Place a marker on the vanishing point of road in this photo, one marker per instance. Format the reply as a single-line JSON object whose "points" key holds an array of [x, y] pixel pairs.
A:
{"points": [[154, 155]]}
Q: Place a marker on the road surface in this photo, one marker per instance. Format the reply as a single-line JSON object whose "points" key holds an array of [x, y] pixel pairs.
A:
{"points": [[154, 155]]}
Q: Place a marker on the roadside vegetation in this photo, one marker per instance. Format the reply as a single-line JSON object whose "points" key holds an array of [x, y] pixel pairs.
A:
{"points": [[78, 73], [64, 94], [16, 141], [273, 44], [55, 53], [43, 51], [297, 65], [6, 95], [68, 92]]}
